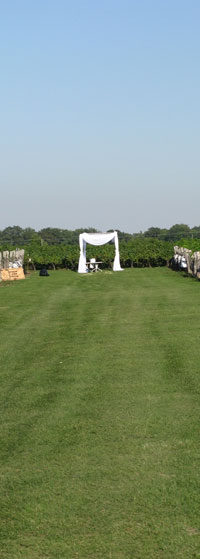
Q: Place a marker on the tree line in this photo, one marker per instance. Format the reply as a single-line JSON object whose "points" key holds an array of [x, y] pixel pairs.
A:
{"points": [[57, 248], [16, 235]]}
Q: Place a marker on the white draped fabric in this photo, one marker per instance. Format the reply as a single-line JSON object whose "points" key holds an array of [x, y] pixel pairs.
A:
{"points": [[97, 239]]}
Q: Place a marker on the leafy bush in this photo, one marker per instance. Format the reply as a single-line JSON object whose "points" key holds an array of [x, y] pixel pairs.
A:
{"points": [[140, 252]]}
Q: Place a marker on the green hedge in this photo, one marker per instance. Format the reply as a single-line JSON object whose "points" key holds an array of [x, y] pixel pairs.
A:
{"points": [[137, 253]]}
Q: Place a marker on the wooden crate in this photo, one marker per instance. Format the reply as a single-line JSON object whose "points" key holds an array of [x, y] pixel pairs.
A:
{"points": [[11, 274]]}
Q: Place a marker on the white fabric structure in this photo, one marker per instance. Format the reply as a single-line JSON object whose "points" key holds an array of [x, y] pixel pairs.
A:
{"points": [[97, 239]]}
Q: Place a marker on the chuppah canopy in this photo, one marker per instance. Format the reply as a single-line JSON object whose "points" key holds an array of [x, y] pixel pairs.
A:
{"points": [[97, 239]]}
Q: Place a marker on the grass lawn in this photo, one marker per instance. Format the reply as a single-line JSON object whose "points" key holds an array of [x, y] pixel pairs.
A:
{"points": [[100, 416]]}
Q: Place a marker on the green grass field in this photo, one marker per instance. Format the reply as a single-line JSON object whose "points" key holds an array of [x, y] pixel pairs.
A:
{"points": [[100, 416]]}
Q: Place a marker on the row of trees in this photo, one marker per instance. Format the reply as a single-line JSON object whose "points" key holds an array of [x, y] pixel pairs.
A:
{"points": [[53, 236], [140, 252], [175, 233], [17, 236]]}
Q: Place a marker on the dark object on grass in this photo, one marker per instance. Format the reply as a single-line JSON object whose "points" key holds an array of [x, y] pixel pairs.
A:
{"points": [[43, 272]]}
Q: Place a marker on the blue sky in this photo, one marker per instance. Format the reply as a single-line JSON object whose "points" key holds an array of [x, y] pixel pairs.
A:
{"points": [[100, 113]]}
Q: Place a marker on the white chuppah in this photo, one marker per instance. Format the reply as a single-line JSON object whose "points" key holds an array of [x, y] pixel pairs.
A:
{"points": [[97, 239]]}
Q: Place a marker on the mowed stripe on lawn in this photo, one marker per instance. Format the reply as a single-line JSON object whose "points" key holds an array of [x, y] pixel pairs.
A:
{"points": [[99, 389]]}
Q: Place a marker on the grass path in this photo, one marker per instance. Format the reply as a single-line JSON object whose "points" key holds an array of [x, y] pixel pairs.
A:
{"points": [[100, 416]]}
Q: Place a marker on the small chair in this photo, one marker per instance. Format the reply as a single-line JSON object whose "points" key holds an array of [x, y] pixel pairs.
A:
{"points": [[92, 266]]}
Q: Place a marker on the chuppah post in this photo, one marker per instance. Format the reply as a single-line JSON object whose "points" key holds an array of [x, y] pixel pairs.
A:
{"points": [[82, 268]]}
